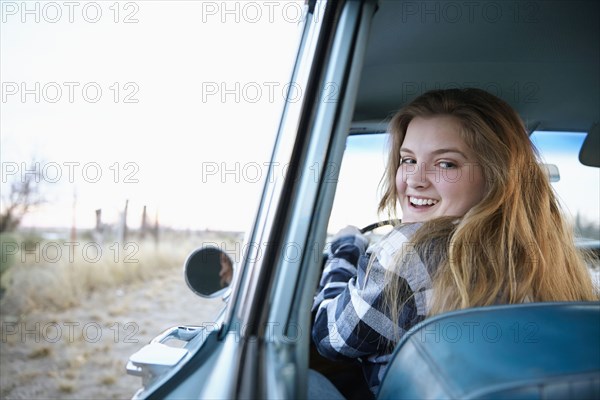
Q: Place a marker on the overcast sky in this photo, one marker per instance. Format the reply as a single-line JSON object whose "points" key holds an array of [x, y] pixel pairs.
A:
{"points": [[169, 104], [174, 103]]}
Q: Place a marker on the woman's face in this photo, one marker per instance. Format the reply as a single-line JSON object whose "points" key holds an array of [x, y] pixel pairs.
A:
{"points": [[438, 175]]}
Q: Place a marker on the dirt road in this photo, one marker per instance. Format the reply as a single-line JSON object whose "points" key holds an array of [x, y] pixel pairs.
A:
{"points": [[80, 353]]}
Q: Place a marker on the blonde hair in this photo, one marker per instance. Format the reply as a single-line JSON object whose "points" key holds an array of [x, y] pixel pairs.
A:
{"points": [[514, 245]]}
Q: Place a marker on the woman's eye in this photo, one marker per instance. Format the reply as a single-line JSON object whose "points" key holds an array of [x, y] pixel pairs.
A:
{"points": [[446, 164], [407, 160]]}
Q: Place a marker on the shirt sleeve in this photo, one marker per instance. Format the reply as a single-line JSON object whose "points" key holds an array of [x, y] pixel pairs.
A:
{"points": [[340, 267], [352, 320]]}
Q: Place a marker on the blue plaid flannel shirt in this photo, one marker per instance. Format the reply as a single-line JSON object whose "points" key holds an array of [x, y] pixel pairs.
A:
{"points": [[351, 321]]}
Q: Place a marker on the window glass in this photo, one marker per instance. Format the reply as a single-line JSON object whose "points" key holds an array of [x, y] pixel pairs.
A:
{"points": [[358, 191], [579, 186], [132, 132]]}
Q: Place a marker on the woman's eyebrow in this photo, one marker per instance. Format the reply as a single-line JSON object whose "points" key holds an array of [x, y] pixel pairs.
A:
{"points": [[437, 152], [451, 150]]}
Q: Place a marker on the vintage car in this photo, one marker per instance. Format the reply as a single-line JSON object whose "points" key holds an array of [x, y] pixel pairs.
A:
{"points": [[359, 61]]}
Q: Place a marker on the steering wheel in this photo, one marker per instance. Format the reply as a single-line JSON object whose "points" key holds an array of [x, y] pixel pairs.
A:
{"points": [[376, 225]]}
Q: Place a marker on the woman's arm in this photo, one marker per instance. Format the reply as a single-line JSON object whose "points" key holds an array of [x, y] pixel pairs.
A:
{"points": [[349, 322], [352, 320], [341, 266]]}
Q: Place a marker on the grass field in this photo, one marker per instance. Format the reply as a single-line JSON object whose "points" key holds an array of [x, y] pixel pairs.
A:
{"points": [[47, 271], [70, 322]]}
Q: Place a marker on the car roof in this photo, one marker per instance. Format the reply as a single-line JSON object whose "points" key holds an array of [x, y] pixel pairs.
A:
{"points": [[542, 57]]}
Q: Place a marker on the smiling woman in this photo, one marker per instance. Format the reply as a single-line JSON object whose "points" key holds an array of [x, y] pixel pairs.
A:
{"points": [[482, 236]]}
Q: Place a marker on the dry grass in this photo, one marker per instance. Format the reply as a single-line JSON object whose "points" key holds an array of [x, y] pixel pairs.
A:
{"points": [[128, 303], [70, 375], [108, 380], [38, 284], [41, 352], [66, 387]]}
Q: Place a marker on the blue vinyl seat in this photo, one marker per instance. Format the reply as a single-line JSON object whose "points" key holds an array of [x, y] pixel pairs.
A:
{"points": [[525, 351]]}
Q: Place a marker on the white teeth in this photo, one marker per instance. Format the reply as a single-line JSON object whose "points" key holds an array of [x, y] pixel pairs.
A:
{"points": [[421, 202]]}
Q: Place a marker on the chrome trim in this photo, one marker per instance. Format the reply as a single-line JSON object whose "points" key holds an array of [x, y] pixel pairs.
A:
{"points": [[184, 333]]}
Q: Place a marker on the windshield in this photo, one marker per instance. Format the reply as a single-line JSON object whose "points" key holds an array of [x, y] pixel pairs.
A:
{"points": [[358, 191]]}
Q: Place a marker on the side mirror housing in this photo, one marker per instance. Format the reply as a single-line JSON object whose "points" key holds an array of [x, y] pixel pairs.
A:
{"points": [[208, 271]]}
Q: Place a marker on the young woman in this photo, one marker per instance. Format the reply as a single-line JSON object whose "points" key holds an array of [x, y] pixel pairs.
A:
{"points": [[480, 226]]}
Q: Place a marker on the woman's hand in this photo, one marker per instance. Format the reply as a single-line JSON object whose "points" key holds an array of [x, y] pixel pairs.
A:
{"points": [[349, 230]]}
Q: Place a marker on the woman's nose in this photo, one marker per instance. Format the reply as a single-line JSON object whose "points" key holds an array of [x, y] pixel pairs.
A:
{"points": [[416, 175]]}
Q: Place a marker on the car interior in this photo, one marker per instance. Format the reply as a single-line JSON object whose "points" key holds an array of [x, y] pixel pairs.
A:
{"points": [[543, 58]]}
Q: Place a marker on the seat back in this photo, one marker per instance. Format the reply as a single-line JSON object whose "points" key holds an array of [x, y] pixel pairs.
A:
{"points": [[525, 351]]}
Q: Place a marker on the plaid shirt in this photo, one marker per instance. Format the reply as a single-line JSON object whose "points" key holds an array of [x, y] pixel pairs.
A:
{"points": [[352, 320]]}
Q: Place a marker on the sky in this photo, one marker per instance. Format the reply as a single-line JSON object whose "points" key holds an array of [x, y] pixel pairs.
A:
{"points": [[169, 104], [173, 105], [578, 188]]}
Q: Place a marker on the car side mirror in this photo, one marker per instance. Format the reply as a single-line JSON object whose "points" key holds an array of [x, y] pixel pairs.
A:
{"points": [[208, 271]]}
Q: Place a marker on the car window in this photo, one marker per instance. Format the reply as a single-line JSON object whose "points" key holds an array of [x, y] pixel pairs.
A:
{"points": [[358, 191], [132, 132], [578, 188], [358, 188]]}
